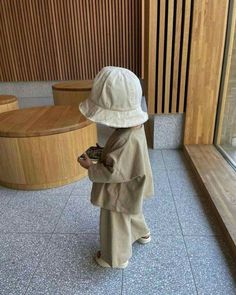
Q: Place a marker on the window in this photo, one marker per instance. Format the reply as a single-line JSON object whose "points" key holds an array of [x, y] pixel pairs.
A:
{"points": [[225, 137]]}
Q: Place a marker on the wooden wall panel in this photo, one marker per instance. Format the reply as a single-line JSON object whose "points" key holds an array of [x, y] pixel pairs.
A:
{"points": [[150, 32], [68, 39], [168, 26], [207, 47]]}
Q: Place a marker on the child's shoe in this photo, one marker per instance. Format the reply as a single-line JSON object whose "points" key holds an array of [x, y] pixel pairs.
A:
{"points": [[146, 239], [103, 263]]}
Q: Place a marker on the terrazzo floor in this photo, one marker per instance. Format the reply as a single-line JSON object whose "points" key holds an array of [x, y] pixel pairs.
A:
{"points": [[48, 239]]}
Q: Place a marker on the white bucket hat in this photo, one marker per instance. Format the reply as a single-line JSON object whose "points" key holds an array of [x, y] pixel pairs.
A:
{"points": [[115, 99]]}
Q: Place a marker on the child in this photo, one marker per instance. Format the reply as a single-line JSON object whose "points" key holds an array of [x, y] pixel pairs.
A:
{"points": [[123, 176]]}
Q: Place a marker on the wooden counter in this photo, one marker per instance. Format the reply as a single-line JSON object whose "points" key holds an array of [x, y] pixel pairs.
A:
{"points": [[71, 92], [39, 146], [8, 103]]}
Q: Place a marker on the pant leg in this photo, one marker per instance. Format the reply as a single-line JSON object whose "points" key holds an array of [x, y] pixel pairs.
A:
{"points": [[115, 237], [139, 227], [117, 233]]}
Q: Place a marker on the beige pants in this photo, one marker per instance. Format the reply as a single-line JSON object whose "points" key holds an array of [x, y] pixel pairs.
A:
{"points": [[118, 231]]}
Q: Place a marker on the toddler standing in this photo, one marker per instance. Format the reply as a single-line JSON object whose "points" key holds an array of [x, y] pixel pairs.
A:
{"points": [[122, 178]]}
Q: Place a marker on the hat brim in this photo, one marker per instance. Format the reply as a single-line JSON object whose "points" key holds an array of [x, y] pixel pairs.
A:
{"points": [[111, 118]]}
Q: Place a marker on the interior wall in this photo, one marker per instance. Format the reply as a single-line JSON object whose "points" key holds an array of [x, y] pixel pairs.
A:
{"points": [[68, 39], [29, 94]]}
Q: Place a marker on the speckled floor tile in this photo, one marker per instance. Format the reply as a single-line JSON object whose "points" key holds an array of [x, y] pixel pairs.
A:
{"points": [[183, 182], [19, 256], [161, 216], [159, 268], [68, 267], [213, 268], [196, 216], [57, 191], [32, 213], [5, 197], [156, 159], [7, 190], [162, 187], [79, 216], [82, 187], [175, 159]]}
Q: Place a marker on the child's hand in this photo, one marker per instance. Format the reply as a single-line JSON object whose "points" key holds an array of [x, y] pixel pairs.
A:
{"points": [[86, 162]]}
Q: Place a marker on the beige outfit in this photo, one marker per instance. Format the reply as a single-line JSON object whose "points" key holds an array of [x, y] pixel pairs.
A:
{"points": [[121, 179], [118, 231]]}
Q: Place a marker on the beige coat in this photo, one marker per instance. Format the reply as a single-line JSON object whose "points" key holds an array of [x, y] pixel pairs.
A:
{"points": [[123, 176]]}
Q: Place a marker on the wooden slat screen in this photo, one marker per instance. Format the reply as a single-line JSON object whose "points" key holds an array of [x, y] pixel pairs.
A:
{"points": [[172, 48], [68, 39]]}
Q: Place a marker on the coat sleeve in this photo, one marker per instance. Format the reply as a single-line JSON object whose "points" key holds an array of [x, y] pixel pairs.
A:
{"points": [[110, 170]]}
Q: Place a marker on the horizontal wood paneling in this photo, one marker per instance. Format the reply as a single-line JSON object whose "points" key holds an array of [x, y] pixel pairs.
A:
{"points": [[68, 39]]}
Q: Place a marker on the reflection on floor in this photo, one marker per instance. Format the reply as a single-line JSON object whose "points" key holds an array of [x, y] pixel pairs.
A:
{"points": [[48, 239], [230, 151]]}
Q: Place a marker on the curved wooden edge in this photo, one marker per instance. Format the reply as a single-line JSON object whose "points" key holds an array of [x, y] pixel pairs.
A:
{"points": [[73, 85], [64, 97], [7, 107], [47, 133], [37, 133], [6, 99], [43, 186]]}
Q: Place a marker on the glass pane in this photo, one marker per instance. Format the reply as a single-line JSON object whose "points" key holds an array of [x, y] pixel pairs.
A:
{"points": [[227, 131]]}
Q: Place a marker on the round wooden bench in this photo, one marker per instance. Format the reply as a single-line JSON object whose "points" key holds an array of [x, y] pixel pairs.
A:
{"points": [[39, 146], [71, 92], [8, 103]]}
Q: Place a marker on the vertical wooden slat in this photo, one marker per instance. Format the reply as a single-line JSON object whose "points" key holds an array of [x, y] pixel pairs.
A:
{"points": [[80, 34], [109, 30], [70, 30], [142, 37], [13, 41], [119, 30], [95, 36], [87, 25], [161, 43], [150, 53], [85, 43], [19, 37], [5, 32], [5, 68], [132, 17], [38, 53], [168, 55], [31, 35], [176, 56], [46, 39], [184, 54], [124, 32]]}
